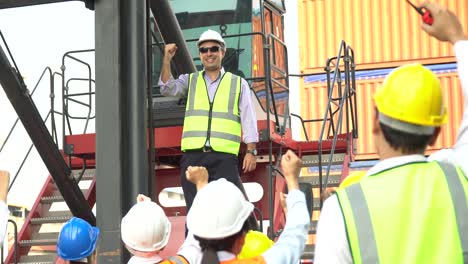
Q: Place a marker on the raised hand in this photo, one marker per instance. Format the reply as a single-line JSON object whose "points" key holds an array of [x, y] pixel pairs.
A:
{"points": [[291, 166], [197, 175], [446, 25], [142, 198], [169, 51]]}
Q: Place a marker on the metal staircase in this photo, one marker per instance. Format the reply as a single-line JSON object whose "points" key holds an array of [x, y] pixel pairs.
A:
{"points": [[43, 224], [20, 98], [61, 185]]}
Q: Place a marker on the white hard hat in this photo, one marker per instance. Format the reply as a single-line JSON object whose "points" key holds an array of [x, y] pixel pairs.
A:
{"points": [[145, 227], [219, 210], [210, 35]]}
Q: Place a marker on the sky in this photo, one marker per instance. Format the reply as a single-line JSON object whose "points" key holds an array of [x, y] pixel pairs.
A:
{"points": [[38, 36]]}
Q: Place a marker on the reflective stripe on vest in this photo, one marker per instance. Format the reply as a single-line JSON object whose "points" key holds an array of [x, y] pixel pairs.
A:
{"points": [[178, 260], [366, 247], [220, 122], [174, 260], [460, 204]]}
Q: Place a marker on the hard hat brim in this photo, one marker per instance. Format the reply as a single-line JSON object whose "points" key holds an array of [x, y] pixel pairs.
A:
{"points": [[206, 40]]}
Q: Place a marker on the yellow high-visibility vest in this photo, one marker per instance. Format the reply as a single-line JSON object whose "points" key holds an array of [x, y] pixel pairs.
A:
{"points": [[219, 121], [414, 213]]}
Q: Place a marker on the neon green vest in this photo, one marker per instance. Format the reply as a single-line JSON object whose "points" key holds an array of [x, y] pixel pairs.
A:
{"points": [[219, 121], [416, 213]]}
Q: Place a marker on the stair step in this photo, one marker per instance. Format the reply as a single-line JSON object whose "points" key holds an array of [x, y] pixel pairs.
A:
{"points": [[66, 213], [38, 242], [87, 176], [57, 197], [313, 160], [50, 220], [32, 261], [333, 180], [35, 262], [43, 259], [45, 235], [309, 251], [313, 227], [52, 199]]}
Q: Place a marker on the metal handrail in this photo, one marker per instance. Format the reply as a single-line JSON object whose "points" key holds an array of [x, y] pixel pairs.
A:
{"points": [[330, 86], [66, 96], [32, 93], [260, 217], [9, 53], [16, 246], [271, 169], [272, 39], [344, 97], [352, 91], [50, 113], [25, 158], [52, 107]]}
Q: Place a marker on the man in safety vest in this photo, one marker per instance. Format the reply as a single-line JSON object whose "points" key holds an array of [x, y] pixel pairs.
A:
{"points": [[218, 102], [408, 209]]}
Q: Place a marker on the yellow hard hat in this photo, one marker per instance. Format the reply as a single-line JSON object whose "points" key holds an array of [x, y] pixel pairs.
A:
{"points": [[256, 243], [353, 178], [411, 94]]}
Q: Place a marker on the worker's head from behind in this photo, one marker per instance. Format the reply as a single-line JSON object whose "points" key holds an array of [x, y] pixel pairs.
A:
{"points": [[218, 219], [256, 243], [77, 239], [145, 229], [211, 48], [409, 111]]}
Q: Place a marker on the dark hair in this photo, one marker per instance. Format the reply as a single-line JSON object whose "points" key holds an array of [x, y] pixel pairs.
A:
{"points": [[209, 247], [405, 142]]}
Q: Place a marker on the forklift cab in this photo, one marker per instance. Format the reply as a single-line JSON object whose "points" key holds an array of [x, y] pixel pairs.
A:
{"points": [[245, 26]]}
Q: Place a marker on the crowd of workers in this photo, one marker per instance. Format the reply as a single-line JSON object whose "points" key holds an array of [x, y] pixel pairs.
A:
{"points": [[405, 209]]}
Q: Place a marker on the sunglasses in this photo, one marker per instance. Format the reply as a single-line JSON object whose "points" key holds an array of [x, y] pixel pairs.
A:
{"points": [[206, 49]]}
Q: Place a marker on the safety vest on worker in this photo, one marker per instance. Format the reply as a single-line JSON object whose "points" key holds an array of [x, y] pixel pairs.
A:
{"points": [[218, 121], [174, 260], [414, 213]]}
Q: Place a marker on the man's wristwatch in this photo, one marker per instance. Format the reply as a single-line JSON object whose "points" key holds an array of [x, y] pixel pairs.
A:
{"points": [[252, 151]]}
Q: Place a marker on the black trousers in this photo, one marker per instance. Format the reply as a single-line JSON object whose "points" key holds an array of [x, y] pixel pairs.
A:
{"points": [[219, 165]]}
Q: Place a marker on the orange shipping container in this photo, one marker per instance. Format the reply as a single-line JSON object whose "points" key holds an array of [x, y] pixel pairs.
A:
{"points": [[383, 33], [313, 96]]}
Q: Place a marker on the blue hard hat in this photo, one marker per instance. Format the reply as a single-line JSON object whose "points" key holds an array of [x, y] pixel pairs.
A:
{"points": [[77, 239]]}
